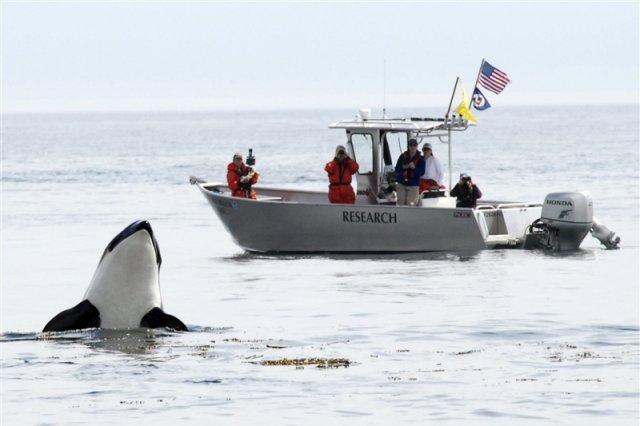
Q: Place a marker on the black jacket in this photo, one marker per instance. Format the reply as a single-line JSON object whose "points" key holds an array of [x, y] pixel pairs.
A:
{"points": [[465, 196]]}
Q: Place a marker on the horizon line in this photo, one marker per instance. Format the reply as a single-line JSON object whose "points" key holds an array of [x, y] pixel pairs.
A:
{"points": [[246, 108]]}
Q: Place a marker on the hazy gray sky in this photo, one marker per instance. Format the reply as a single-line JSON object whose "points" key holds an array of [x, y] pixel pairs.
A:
{"points": [[60, 56]]}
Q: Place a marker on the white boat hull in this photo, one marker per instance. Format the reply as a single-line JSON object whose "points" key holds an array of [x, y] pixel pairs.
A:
{"points": [[282, 221]]}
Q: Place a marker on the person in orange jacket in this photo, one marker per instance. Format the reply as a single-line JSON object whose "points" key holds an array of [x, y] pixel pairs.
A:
{"points": [[340, 170], [240, 177]]}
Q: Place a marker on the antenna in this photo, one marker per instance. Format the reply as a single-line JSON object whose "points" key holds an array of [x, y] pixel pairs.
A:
{"points": [[384, 88]]}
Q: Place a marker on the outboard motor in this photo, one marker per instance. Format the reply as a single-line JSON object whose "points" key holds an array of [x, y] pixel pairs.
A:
{"points": [[566, 219], [605, 235]]}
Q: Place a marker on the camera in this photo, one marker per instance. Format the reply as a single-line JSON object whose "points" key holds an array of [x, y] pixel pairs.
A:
{"points": [[392, 177], [251, 160]]}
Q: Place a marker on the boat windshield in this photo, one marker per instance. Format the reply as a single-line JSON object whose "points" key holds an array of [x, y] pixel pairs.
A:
{"points": [[393, 144], [362, 144]]}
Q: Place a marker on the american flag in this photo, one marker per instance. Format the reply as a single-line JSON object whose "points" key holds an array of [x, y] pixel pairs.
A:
{"points": [[493, 79]]}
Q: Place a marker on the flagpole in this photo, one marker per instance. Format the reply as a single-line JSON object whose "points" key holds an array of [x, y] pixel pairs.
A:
{"points": [[446, 119], [477, 80], [449, 154], [455, 86]]}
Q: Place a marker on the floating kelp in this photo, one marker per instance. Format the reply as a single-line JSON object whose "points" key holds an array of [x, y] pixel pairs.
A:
{"points": [[467, 352], [319, 362]]}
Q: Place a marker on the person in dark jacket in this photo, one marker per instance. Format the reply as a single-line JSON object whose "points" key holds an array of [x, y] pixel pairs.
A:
{"points": [[409, 167], [340, 170], [240, 177], [466, 192]]}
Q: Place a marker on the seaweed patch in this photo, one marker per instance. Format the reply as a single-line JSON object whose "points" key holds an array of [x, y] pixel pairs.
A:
{"points": [[318, 362]]}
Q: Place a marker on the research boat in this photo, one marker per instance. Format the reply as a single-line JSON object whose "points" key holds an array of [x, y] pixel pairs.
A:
{"points": [[282, 220]]}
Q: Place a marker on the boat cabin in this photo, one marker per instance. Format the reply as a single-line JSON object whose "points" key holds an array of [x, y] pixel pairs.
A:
{"points": [[377, 143]]}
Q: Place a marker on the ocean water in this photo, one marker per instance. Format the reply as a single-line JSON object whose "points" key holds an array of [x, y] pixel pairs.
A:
{"points": [[491, 337]]}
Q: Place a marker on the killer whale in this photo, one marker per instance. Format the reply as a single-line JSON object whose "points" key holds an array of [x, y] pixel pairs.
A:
{"points": [[125, 289]]}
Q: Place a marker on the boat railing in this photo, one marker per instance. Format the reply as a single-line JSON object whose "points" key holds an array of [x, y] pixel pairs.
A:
{"points": [[517, 205], [485, 207], [507, 205]]}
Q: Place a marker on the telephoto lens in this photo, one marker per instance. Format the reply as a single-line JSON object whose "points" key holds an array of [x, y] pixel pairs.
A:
{"points": [[251, 160]]}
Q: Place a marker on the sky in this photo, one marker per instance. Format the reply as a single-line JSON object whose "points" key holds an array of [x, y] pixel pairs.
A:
{"points": [[126, 56]]}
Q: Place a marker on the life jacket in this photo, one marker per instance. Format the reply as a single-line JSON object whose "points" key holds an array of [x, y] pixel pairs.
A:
{"points": [[340, 172], [233, 180], [410, 173]]}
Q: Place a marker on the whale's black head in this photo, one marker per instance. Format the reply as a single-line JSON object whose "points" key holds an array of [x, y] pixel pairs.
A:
{"points": [[125, 289], [137, 226]]}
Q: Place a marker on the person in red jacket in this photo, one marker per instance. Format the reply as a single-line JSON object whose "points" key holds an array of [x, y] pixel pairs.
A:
{"points": [[240, 178], [340, 170]]}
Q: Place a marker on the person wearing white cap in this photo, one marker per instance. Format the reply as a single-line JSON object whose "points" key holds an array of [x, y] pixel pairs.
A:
{"points": [[466, 192], [433, 174], [340, 170]]}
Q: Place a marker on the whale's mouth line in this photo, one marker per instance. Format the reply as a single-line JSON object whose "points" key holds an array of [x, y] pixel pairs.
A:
{"points": [[136, 226]]}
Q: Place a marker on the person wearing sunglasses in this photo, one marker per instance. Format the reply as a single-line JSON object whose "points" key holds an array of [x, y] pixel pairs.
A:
{"points": [[433, 175], [409, 168]]}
